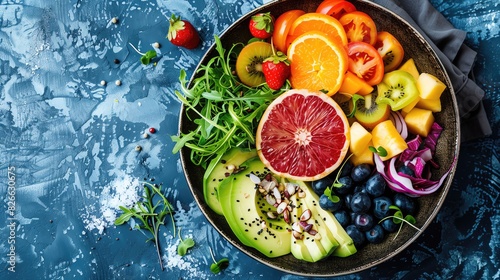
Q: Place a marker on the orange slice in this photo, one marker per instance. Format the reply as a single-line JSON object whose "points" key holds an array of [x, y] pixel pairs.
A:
{"points": [[319, 22], [318, 62], [303, 135]]}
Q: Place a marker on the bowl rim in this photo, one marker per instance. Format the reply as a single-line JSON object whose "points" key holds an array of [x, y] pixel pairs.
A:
{"points": [[446, 184]]}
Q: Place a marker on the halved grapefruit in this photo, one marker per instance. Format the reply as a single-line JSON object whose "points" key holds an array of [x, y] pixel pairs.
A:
{"points": [[303, 135]]}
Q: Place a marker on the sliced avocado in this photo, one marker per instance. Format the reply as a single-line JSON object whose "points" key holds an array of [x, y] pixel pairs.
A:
{"points": [[219, 169], [308, 248], [246, 213], [346, 245], [318, 246]]}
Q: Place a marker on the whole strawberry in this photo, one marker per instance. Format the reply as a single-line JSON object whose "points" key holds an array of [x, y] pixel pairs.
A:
{"points": [[276, 69], [182, 33], [261, 25]]}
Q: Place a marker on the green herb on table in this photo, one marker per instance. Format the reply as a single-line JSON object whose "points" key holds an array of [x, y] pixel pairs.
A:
{"points": [[218, 266], [150, 213], [184, 245], [399, 218], [225, 112], [146, 57]]}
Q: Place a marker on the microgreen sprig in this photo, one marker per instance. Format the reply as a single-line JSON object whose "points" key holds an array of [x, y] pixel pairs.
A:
{"points": [[399, 218], [150, 212], [336, 184], [381, 151], [184, 245], [218, 266], [355, 98], [146, 57]]}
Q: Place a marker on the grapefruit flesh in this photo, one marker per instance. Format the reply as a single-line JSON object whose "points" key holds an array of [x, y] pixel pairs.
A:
{"points": [[303, 135]]}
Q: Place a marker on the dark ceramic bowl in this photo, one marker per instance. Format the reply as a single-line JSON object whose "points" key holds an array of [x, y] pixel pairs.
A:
{"points": [[447, 148]]}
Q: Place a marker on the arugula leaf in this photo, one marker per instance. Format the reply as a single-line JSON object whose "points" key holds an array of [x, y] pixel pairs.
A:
{"points": [[225, 112]]}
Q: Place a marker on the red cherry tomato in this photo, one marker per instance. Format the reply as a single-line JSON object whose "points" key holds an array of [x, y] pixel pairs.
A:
{"points": [[282, 27], [335, 8], [359, 27], [390, 49], [365, 62]]}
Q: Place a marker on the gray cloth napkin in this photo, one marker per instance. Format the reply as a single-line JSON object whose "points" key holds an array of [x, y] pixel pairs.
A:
{"points": [[457, 58]]}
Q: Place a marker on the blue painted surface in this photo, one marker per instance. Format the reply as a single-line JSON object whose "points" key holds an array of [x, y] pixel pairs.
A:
{"points": [[71, 142]]}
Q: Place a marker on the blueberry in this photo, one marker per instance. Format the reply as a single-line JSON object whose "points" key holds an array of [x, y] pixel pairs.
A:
{"points": [[319, 186], [364, 222], [343, 217], [327, 204], [405, 203], [356, 235], [359, 188], [389, 225], [346, 169], [360, 172], [406, 170], [375, 185], [346, 187], [375, 234], [347, 201], [360, 202], [381, 206]]}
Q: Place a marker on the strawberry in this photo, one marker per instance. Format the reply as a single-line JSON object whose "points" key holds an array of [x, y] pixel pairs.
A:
{"points": [[182, 33], [276, 69], [261, 25]]}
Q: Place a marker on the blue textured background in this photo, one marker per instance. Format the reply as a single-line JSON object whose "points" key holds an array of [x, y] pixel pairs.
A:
{"points": [[71, 140]]}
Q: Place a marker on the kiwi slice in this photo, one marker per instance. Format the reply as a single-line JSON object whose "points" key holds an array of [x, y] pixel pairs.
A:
{"points": [[398, 89], [249, 63], [369, 113]]}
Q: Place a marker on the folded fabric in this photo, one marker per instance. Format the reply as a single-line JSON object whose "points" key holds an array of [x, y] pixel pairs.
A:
{"points": [[457, 58]]}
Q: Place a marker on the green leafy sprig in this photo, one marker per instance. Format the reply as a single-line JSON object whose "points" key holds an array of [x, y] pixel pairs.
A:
{"points": [[225, 112], [218, 266], [355, 98], [336, 184], [399, 218], [184, 245], [381, 151], [150, 213], [146, 57]]}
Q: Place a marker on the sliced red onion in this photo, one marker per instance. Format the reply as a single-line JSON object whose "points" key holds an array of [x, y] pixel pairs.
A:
{"points": [[407, 184], [399, 123]]}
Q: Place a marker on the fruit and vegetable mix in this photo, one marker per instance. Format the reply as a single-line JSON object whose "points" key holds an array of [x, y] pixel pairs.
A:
{"points": [[317, 135]]}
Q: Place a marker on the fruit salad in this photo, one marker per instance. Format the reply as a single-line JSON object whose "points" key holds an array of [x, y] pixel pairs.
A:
{"points": [[315, 135]]}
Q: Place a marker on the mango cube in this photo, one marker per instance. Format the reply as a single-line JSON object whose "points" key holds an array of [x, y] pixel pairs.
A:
{"points": [[360, 137], [410, 106], [419, 121], [410, 67], [366, 156], [429, 86], [353, 84], [430, 104], [385, 135]]}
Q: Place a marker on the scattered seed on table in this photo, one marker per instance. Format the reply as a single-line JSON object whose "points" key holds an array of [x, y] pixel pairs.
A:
{"points": [[103, 83], [152, 130], [145, 135], [114, 20], [116, 61], [118, 83], [138, 148], [156, 45]]}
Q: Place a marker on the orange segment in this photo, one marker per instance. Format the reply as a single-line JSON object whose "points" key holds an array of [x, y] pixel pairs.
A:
{"points": [[319, 22], [318, 63]]}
